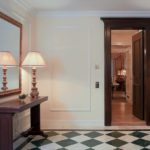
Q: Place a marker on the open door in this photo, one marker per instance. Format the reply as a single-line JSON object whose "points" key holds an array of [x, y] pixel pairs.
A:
{"points": [[138, 75]]}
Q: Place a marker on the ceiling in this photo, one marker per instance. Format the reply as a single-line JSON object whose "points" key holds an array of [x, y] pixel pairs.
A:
{"points": [[122, 40], [124, 32], [88, 5]]}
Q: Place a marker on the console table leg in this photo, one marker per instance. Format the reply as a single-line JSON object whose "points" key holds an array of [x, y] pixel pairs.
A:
{"points": [[35, 118], [6, 131], [35, 123]]}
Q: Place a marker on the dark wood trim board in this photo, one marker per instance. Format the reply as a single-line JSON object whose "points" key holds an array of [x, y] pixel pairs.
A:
{"points": [[121, 24]]}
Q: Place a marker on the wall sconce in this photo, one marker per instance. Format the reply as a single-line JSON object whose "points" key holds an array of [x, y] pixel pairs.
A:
{"points": [[6, 60], [34, 60]]}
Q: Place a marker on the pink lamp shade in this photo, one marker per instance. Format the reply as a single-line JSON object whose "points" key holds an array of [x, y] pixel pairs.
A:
{"points": [[7, 59], [33, 59]]}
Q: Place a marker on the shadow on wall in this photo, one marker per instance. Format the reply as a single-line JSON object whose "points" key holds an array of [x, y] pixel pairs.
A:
{"points": [[56, 67]]}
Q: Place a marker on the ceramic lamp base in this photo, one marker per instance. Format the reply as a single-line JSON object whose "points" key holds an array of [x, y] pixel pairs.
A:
{"points": [[34, 91], [4, 88]]}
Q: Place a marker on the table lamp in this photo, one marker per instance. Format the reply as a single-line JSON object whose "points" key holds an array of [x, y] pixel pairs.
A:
{"points": [[6, 60], [34, 60]]}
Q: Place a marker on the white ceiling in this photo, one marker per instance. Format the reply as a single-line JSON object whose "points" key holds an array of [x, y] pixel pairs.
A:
{"points": [[122, 40], [88, 5], [124, 32]]}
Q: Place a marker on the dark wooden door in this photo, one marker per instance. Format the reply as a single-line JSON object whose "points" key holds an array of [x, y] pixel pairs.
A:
{"points": [[138, 75]]}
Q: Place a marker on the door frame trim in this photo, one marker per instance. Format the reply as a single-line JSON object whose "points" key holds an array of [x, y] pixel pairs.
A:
{"points": [[130, 24]]}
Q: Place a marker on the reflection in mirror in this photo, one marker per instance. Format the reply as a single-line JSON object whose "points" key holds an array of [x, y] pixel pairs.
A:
{"points": [[10, 40], [6, 60]]}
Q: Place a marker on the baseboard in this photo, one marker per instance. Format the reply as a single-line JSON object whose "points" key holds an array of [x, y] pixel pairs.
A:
{"points": [[67, 124]]}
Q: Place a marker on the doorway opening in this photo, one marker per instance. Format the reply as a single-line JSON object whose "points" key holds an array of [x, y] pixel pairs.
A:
{"points": [[128, 24], [123, 103]]}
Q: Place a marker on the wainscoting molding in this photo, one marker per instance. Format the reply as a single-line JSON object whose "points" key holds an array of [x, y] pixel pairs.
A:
{"points": [[71, 85]]}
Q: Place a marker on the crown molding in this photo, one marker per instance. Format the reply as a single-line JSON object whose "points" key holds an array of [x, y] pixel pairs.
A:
{"points": [[96, 13], [17, 9], [26, 6]]}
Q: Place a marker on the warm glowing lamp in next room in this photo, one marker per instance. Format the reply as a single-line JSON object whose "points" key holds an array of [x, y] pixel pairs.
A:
{"points": [[34, 60], [6, 60]]}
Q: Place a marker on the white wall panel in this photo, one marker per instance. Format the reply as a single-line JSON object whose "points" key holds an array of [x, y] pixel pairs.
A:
{"points": [[70, 68], [71, 46]]}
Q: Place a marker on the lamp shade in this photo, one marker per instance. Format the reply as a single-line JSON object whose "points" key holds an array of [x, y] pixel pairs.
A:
{"points": [[123, 72], [7, 59], [33, 59]]}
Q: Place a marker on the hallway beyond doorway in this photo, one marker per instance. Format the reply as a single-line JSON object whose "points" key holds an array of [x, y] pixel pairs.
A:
{"points": [[122, 112]]}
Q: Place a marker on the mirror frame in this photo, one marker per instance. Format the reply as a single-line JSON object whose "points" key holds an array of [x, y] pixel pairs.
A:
{"points": [[19, 25]]}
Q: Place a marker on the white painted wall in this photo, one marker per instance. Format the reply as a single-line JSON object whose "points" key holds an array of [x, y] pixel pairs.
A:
{"points": [[71, 46]]}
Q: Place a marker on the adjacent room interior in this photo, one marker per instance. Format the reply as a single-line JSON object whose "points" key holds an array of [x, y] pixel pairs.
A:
{"points": [[122, 78]]}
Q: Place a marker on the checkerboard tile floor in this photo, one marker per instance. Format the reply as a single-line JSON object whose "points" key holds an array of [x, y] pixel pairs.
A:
{"points": [[86, 140]]}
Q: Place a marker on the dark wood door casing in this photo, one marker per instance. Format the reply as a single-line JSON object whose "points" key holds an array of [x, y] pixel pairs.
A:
{"points": [[122, 24]]}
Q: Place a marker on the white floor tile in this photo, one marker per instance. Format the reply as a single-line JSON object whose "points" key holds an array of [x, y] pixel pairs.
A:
{"points": [[57, 138], [148, 147], [81, 138], [84, 132], [52, 146], [104, 138], [130, 146], [62, 132], [77, 146], [18, 142], [38, 137], [128, 138], [28, 146], [126, 132], [104, 146], [147, 137]]}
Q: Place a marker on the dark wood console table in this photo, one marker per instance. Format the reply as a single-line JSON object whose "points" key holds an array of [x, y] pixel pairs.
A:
{"points": [[8, 109]]}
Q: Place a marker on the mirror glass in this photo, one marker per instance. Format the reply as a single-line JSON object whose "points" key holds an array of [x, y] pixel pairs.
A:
{"points": [[10, 40]]}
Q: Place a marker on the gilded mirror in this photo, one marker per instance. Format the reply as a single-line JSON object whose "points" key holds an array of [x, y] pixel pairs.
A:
{"points": [[10, 40]]}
